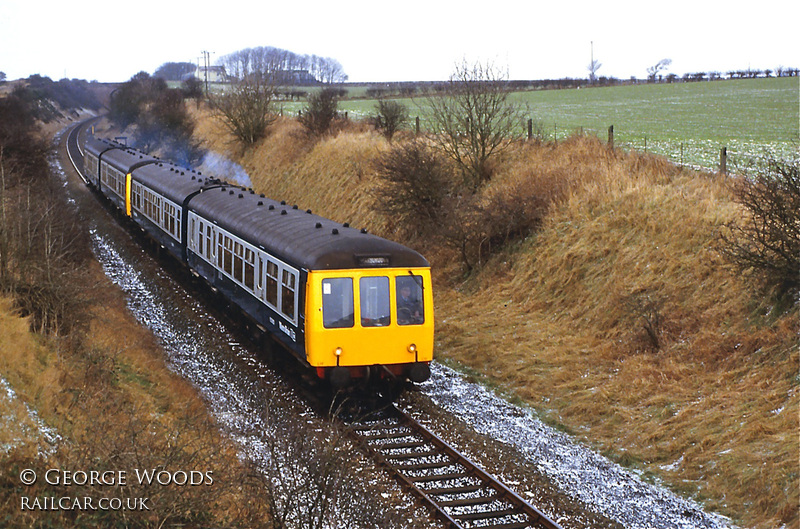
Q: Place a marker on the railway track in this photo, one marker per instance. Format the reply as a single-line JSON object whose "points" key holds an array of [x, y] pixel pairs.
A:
{"points": [[456, 489], [459, 493]]}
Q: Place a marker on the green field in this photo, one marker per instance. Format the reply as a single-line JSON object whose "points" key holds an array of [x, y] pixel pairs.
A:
{"points": [[687, 122]]}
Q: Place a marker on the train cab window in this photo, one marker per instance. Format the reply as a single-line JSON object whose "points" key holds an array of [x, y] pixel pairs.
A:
{"points": [[410, 308], [288, 285], [337, 303], [272, 284], [375, 304]]}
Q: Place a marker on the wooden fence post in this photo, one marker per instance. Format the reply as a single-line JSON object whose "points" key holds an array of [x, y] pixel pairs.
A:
{"points": [[530, 129], [611, 137], [723, 160], [417, 125]]}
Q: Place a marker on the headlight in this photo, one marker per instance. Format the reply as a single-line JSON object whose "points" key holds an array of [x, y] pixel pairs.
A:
{"points": [[338, 351], [412, 348]]}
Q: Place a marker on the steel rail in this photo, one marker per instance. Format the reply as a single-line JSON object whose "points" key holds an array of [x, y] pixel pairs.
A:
{"points": [[417, 457]]}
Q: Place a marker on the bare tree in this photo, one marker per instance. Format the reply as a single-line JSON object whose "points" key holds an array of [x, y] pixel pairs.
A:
{"points": [[654, 70], [328, 70], [474, 120], [246, 109], [280, 65], [594, 65]]}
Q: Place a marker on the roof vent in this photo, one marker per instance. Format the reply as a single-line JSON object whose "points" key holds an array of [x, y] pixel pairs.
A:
{"points": [[334, 231], [283, 202], [346, 224], [294, 207], [260, 202], [271, 207], [241, 195], [283, 212], [230, 192], [308, 211], [318, 225], [363, 230]]}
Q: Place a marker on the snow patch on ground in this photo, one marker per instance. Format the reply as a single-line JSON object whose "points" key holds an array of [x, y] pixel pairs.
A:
{"points": [[616, 493]]}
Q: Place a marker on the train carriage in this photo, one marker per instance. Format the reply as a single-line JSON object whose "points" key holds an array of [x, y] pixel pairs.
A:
{"points": [[328, 291], [157, 197], [108, 166], [347, 303]]}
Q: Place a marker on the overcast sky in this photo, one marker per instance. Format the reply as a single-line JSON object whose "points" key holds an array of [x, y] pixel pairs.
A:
{"points": [[405, 40]]}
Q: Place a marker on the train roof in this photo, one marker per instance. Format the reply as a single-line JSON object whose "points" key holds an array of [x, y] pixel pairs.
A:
{"points": [[307, 240], [116, 154], [172, 181], [295, 235]]}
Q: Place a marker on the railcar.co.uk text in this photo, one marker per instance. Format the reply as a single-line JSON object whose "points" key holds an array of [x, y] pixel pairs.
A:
{"points": [[109, 478]]}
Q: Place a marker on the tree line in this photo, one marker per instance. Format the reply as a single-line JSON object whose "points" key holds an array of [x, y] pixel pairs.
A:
{"points": [[281, 67]]}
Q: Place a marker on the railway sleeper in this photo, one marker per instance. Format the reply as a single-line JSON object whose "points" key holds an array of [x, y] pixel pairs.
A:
{"points": [[456, 489], [411, 455], [380, 435], [438, 477], [426, 466], [511, 525], [485, 515], [468, 502], [394, 446]]}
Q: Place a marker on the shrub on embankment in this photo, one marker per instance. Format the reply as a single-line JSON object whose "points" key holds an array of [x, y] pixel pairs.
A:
{"points": [[613, 315]]}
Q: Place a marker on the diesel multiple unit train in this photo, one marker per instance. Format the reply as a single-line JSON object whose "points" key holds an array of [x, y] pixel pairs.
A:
{"points": [[348, 304]]}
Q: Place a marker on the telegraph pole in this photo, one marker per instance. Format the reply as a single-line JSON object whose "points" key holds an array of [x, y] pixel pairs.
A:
{"points": [[205, 69]]}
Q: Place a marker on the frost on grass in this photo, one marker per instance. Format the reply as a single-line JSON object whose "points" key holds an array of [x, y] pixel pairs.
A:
{"points": [[611, 490]]}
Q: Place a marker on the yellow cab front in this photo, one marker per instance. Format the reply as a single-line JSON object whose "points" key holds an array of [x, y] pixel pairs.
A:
{"points": [[368, 317]]}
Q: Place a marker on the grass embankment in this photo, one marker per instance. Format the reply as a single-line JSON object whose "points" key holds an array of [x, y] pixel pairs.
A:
{"points": [[707, 402], [117, 408]]}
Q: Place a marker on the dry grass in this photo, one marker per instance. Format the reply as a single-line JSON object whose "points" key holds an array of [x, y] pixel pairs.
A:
{"points": [[117, 407], [560, 318]]}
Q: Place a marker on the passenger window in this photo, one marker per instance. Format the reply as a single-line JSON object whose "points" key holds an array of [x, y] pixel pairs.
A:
{"points": [[410, 308], [287, 293], [249, 269], [228, 255], [337, 303], [238, 262], [272, 284], [375, 304]]}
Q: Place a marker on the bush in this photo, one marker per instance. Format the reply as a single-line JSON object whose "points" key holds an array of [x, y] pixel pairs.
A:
{"points": [[320, 111], [768, 241], [389, 117], [414, 184], [480, 225]]}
